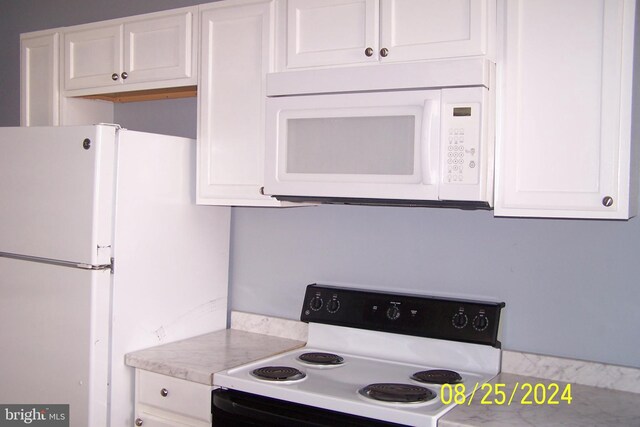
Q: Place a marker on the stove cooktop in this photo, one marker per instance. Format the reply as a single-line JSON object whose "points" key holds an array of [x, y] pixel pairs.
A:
{"points": [[360, 359], [338, 388]]}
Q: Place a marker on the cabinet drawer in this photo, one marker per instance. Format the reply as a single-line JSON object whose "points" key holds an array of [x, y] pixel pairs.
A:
{"points": [[149, 419], [173, 394]]}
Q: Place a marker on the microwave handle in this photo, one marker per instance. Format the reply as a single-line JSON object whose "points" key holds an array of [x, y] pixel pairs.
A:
{"points": [[429, 144]]}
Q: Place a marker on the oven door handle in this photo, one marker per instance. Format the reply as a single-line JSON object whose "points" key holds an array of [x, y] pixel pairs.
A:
{"points": [[232, 408], [228, 403]]}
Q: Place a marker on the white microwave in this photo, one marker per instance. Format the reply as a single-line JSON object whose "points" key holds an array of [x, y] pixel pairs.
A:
{"points": [[405, 147]]}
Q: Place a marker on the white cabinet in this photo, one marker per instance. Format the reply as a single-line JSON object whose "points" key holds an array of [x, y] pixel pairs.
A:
{"points": [[162, 401], [565, 107], [341, 32], [145, 52], [92, 56], [39, 65], [328, 32], [236, 54], [40, 101], [161, 48]]}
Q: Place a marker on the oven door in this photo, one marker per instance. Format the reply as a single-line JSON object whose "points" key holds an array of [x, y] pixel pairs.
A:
{"points": [[230, 408]]}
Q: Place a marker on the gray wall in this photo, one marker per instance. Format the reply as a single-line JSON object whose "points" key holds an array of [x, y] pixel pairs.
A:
{"points": [[571, 287]]}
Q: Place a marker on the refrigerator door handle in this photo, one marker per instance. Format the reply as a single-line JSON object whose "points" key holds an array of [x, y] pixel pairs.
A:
{"points": [[60, 263]]}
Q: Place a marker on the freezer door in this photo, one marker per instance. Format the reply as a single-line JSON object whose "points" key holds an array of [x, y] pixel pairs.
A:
{"points": [[54, 338], [56, 188]]}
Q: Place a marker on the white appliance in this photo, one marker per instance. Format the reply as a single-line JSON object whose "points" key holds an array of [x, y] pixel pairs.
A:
{"points": [[102, 252], [371, 359], [423, 140]]}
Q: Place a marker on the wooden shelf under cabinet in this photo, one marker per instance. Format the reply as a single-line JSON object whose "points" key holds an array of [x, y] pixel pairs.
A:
{"points": [[147, 95]]}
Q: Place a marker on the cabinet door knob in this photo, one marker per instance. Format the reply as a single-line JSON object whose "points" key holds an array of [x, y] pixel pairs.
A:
{"points": [[164, 392], [124, 75], [139, 422], [368, 51], [115, 76], [607, 201], [384, 52]]}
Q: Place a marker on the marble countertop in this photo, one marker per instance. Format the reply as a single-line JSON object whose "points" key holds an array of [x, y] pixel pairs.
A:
{"points": [[590, 406], [197, 359]]}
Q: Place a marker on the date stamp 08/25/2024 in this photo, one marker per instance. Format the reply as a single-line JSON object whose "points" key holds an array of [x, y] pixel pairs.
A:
{"points": [[503, 394]]}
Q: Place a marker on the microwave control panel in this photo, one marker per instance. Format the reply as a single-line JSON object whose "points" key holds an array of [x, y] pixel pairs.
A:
{"points": [[461, 137]]}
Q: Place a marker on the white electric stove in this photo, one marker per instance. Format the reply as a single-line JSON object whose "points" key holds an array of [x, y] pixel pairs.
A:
{"points": [[371, 359]]}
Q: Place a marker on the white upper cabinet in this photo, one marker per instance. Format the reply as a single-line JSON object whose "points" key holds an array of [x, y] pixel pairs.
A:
{"points": [[93, 57], [432, 29], [237, 54], [316, 33], [39, 65], [145, 52], [159, 49], [565, 109], [329, 32]]}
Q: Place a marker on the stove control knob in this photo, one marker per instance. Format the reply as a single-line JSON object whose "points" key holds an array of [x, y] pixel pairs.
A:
{"points": [[333, 306], [460, 320], [316, 303], [393, 312], [480, 322]]}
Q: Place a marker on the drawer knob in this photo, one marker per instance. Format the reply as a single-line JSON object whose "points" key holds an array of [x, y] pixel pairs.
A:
{"points": [[368, 51], [164, 392], [607, 201], [384, 52], [115, 76], [124, 75], [139, 422]]}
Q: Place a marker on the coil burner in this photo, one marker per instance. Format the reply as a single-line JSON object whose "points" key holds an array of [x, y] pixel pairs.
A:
{"points": [[278, 373], [397, 393], [317, 358], [437, 376]]}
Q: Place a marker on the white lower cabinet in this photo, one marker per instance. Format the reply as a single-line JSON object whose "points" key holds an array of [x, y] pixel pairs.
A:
{"points": [[236, 54], [165, 401], [565, 146]]}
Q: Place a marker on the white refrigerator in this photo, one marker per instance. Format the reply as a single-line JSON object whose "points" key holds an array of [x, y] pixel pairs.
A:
{"points": [[102, 252]]}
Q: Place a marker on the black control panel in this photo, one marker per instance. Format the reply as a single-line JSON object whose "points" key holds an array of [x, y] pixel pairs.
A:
{"points": [[433, 317]]}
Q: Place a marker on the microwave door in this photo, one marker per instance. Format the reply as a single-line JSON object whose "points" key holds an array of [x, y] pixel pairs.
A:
{"points": [[355, 146]]}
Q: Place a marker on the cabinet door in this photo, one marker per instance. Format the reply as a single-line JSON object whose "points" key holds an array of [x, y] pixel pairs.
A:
{"points": [[159, 49], [93, 57], [432, 29], [39, 82], [331, 32], [236, 52], [566, 107]]}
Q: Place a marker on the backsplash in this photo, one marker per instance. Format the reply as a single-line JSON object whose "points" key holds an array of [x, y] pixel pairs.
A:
{"points": [[275, 326], [569, 370]]}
